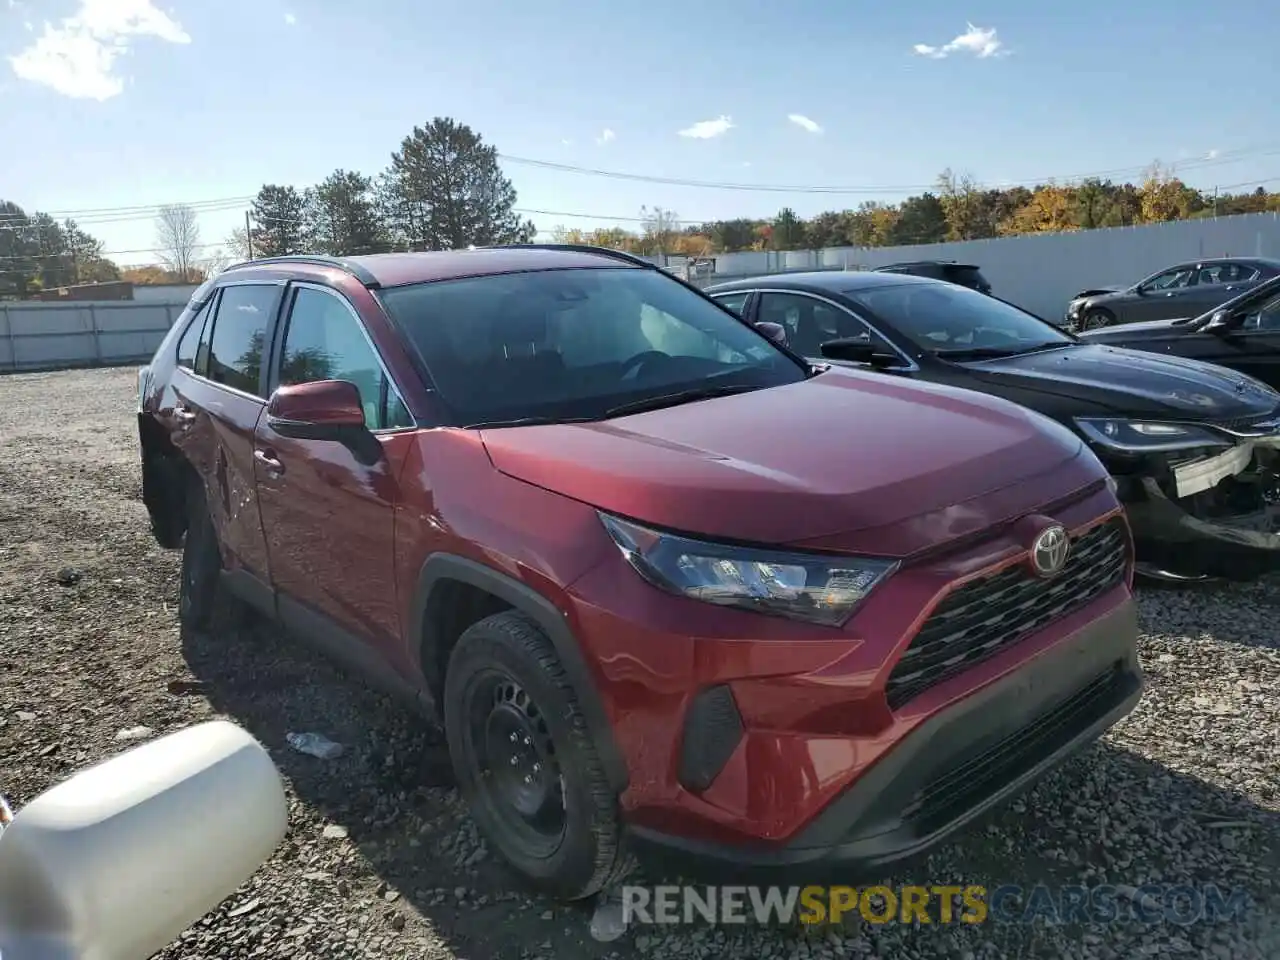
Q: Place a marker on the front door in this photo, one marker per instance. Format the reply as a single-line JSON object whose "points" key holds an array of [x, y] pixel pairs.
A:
{"points": [[218, 390], [1254, 346], [329, 519], [1165, 297]]}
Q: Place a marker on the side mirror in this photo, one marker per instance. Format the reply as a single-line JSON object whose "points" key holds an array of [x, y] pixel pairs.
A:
{"points": [[122, 857], [1222, 322], [774, 331], [857, 350], [324, 410]]}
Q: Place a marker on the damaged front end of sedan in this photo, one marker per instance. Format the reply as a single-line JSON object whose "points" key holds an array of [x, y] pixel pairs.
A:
{"points": [[1203, 499]]}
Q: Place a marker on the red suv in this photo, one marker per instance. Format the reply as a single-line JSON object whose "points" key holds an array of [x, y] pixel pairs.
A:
{"points": [[664, 582]]}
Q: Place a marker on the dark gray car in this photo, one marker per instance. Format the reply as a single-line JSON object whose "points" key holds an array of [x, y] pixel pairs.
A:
{"points": [[1185, 290]]}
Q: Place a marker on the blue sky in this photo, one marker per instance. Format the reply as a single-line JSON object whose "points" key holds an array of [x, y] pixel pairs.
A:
{"points": [[126, 104]]}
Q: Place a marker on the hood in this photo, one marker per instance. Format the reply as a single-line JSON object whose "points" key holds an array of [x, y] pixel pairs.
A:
{"points": [[893, 466], [1099, 292], [1147, 330], [1134, 382]]}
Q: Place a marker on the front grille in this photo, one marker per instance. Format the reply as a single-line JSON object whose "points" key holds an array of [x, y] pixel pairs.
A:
{"points": [[990, 613]]}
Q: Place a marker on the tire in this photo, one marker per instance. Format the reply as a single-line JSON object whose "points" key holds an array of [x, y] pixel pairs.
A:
{"points": [[505, 685], [204, 604], [1096, 319], [201, 564]]}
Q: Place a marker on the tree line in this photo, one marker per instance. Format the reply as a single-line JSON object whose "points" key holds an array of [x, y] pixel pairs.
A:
{"points": [[38, 252], [958, 209]]}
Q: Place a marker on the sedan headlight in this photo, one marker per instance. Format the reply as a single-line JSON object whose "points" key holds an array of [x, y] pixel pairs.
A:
{"points": [[800, 586], [144, 376], [1140, 436]]}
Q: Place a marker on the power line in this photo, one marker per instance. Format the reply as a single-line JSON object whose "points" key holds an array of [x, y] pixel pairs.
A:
{"points": [[147, 211], [1213, 160]]}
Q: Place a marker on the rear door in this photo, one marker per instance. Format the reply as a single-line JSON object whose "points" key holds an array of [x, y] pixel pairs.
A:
{"points": [[219, 390], [1216, 283], [330, 520]]}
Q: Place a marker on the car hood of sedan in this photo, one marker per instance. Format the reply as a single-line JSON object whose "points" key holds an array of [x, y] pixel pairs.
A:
{"points": [[1133, 382]]}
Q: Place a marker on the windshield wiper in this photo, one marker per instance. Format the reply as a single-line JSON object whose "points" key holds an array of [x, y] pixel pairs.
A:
{"points": [[992, 353], [524, 422], [675, 399]]}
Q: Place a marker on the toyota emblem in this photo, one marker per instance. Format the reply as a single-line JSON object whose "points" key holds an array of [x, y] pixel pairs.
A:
{"points": [[1049, 551]]}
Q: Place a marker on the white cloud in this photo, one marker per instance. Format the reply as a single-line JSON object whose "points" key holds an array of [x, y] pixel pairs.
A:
{"points": [[605, 136], [706, 129], [290, 19], [1212, 155], [567, 143], [77, 58], [982, 42], [800, 120]]}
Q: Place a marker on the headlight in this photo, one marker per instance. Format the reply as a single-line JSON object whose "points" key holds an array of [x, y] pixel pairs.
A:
{"points": [[800, 586], [1137, 436], [144, 374]]}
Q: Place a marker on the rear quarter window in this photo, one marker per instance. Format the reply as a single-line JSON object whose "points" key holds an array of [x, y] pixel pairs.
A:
{"points": [[189, 345]]}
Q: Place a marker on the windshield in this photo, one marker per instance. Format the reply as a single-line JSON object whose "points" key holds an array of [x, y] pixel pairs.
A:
{"points": [[953, 321], [575, 344]]}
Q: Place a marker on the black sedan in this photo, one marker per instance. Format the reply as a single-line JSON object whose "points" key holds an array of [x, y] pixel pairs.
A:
{"points": [[1243, 334], [1184, 290], [1194, 447]]}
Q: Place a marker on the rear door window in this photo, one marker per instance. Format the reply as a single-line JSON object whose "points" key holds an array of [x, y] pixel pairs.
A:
{"points": [[244, 314]]}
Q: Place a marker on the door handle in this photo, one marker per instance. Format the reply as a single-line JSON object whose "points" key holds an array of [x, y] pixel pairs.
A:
{"points": [[270, 464]]}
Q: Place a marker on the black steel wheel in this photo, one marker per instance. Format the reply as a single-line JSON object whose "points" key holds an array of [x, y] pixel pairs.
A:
{"points": [[520, 777]]}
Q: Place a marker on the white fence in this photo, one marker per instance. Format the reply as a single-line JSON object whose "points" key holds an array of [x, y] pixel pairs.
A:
{"points": [[1041, 272], [48, 336]]}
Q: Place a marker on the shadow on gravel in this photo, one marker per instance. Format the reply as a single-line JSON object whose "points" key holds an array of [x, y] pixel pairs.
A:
{"points": [[1254, 620], [383, 826]]}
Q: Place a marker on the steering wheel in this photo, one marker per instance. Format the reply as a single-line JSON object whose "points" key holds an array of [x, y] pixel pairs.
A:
{"points": [[631, 367]]}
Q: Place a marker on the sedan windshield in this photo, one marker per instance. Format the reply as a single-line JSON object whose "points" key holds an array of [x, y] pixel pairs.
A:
{"points": [[957, 323], [562, 345]]}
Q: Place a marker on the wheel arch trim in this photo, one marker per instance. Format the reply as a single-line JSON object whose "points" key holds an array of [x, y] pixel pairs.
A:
{"points": [[441, 567]]}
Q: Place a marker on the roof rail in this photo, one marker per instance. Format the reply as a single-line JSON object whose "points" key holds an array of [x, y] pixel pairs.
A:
{"points": [[315, 259], [578, 248]]}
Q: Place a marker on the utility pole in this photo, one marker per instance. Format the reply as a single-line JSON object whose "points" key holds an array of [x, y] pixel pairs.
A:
{"points": [[1215, 202], [248, 235]]}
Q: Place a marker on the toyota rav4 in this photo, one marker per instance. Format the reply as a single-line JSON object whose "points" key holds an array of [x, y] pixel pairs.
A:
{"points": [[666, 584]]}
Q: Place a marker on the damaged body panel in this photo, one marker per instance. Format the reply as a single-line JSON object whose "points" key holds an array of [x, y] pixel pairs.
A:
{"points": [[1194, 447]]}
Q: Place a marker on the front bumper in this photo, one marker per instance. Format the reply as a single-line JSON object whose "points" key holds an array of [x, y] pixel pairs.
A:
{"points": [[1218, 517], [951, 769]]}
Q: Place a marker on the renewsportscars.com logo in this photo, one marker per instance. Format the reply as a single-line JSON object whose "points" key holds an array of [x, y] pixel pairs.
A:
{"points": [[1181, 905]]}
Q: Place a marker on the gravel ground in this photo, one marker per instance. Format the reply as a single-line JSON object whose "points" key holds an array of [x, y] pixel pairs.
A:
{"points": [[382, 861]]}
